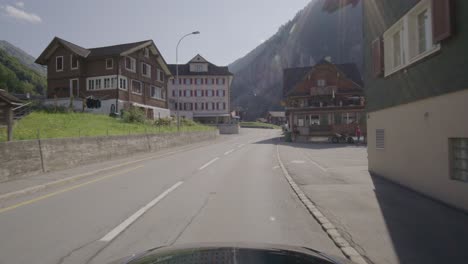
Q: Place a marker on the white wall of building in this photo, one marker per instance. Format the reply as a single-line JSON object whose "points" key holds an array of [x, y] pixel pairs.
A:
{"points": [[201, 99], [416, 145]]}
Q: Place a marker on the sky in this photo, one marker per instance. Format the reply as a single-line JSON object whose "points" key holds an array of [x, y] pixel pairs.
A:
{"points": [[229, 29]]}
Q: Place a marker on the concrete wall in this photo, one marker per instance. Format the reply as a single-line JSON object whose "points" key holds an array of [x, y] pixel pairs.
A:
{"points": [[30, 157], [416, 152]]}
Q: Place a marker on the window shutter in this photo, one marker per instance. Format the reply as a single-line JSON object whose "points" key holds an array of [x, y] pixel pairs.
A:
{"points": [[441, 20], [217, 92], [173, 93], [377, 57], [202, 93], [191, 93]]}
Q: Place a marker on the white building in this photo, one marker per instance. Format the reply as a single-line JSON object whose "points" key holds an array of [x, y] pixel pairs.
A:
{"points": [[202, 92]]}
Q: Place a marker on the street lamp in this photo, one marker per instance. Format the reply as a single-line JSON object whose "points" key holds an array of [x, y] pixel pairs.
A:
{"points": [[177, 76]]}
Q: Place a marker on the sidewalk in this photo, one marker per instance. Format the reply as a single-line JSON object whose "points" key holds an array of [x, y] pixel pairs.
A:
{"points": [[385, 222]]}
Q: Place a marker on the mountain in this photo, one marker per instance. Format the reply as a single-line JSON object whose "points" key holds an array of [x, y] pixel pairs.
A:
{"points": [[23, 57], [15, 77], [319, 30]]}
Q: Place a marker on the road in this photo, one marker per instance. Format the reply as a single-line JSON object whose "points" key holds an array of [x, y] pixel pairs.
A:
{"points": [[228, 190]]}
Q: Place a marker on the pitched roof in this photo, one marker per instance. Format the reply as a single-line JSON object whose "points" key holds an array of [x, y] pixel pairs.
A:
{"points": [[73, 47], [10, 99], [184, 70], [115, 49], [292, 76]]}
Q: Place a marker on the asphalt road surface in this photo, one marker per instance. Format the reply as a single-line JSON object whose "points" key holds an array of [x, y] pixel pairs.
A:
{"points": [[228, 190]]}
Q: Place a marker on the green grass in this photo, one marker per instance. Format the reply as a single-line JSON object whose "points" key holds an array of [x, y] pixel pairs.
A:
{"points": [[65, 125], [259, 125]]}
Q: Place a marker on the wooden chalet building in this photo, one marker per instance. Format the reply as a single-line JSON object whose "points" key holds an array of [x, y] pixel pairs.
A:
{"points": [[323, 100]]}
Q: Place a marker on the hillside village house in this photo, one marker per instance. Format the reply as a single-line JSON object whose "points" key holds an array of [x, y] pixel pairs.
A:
{"points": [[323, 100], [109, 79], [276, 117], [417, 95], [203, 91]]}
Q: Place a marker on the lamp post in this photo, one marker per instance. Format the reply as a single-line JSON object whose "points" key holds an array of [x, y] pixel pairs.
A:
{"points": [[177, 76]]}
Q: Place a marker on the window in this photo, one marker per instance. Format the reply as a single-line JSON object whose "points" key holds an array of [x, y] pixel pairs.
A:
{"points": [[146, 52], [90, 84], [188, 106], [198, 81], [209, 106], [321, 83], [424, 32], [210, 81], [459, 159], [209, 93], [409, 39], [107, 82], [146, 70], [137, 87], [220, 81], [123, 83], [187, 93], [109, 64], [379, 138], [198, 93], [160, 76], [73, 62], [130, 64], [98, 83], [59, 63], [156, 92]]}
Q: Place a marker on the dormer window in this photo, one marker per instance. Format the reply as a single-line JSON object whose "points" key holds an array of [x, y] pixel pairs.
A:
{"points": [[198, 67], [321, 83]]}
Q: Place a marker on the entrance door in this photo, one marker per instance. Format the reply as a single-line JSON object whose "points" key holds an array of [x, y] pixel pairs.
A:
{"points": [[74, 88]]}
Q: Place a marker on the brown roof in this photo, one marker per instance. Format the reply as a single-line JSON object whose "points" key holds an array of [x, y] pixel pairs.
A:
{"points": [[292, 76], [10, 99], [115, 49]]}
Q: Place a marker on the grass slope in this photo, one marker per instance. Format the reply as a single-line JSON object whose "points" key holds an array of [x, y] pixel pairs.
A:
{"points": [[64, 125]]}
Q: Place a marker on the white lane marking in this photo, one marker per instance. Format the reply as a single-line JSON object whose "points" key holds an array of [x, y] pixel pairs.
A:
{"points": [[318, 165], [118, 229], [228, 152], [298, 161], [272, 218], [209, 163], [241, 145]]}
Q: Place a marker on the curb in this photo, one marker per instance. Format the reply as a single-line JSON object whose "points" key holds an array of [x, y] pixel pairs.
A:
{"points": [[349, 251]]}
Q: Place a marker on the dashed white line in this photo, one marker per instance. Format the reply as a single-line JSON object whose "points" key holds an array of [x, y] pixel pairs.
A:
{"points": [[118, 229], [318, 165], [241, 145], [209, 163], [228, 152]]}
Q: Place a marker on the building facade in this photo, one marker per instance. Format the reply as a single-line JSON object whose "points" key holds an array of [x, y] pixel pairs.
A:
{"points": [[417, 95], [323, 100], [120, 76], [202, 92]]}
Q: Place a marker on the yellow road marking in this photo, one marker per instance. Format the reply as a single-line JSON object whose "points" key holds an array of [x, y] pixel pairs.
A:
{"points": [[2, 210]]}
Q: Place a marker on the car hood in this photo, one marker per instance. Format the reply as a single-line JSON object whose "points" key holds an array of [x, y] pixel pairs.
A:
{"points": [[239, 253]]}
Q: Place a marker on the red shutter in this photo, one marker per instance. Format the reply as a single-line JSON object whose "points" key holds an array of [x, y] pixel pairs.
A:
{"points": [[224, 106], [173, 93], [202, 93], [217, 106], [191, 93], [217, 92], [377, 57], [173, 81], [224, 81], [441, 20]]}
